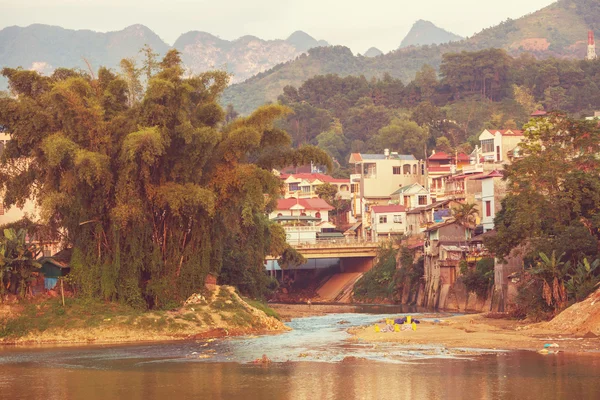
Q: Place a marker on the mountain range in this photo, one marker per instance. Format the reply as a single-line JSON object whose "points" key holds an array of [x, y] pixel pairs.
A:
{"points": [[44, 48], [558, 30]]}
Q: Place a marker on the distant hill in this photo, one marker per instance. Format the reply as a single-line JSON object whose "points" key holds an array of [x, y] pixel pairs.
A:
{"points": [[425, 32], [559, 30], [373, 52], [45, 47], [243, 57]]}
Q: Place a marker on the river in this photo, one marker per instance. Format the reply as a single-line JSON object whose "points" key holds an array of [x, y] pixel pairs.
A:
{"points": [[307, 364]]}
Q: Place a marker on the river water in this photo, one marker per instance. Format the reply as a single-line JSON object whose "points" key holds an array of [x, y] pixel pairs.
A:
{"points": [[307, 364]]}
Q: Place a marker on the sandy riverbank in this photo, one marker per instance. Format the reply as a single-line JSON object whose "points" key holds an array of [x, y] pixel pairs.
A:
{"points": [[478, 332]]}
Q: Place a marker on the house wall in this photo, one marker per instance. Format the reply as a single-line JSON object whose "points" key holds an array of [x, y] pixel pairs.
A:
{"points": [[390, 227], [508, 142], [383, 181]]}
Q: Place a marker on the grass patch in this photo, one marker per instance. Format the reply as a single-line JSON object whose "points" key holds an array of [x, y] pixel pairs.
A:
{"points": [[262, 306]]}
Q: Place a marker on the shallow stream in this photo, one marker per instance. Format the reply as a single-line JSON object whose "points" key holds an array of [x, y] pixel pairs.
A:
{"points": [[307, 364]]}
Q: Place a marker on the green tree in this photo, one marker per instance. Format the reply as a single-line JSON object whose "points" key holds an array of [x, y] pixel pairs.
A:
{"points": [[465, 213], [403, 136], [152, 196], [327, 192], [552, 205], [17, 262]]}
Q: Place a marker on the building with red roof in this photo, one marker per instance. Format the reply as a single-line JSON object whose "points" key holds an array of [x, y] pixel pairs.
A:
{"points": [[387, 221]]}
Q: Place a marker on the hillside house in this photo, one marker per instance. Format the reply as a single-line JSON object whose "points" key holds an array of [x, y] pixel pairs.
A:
{"points": [[303, 219], [387, 221], [411, 196], [493, 190], [496, 144], [420, 218], [304, 185], [445, 245], [379, 175]]}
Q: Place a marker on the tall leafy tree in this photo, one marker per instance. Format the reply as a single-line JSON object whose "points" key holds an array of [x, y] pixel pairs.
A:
{"points": [[153, 195]]}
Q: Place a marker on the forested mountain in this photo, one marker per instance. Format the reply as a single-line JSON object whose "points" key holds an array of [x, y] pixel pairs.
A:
{"points": [[425, 32], [373, 52], [45, 48], [559, 30], [474, 90]]}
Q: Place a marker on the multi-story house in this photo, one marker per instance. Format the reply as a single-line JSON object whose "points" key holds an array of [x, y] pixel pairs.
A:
{"points": [[379, 175], [496, 144], [411, 196], [387, 221], [303, 219], [420, 218], [305, 184], [446, 244], [493, 190]]}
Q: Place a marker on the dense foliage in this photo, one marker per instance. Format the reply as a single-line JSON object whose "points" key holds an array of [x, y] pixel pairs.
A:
{"points": [[476, 90], [152, 189], [17, 262], [550, 215], [479, 280]]}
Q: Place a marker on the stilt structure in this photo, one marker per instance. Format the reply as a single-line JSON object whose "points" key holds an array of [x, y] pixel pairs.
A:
{"points": [[591, 52]]}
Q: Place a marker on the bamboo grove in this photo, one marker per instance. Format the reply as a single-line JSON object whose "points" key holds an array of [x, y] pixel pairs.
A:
{"points": [[151, 188]]}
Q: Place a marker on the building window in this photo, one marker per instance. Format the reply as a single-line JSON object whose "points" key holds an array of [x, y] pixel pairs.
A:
{"points": [[406, 168], [415, 169], [317, 214], [487, 146], [397, 219], [305, 189], [498, 158], [294, 187], [354, 188], [383, 219], [422, 200], [279, 214], [488, 208], [397, 170]]}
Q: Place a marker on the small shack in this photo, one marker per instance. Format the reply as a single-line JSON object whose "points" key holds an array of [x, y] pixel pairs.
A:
{"points": [[55, 267]]}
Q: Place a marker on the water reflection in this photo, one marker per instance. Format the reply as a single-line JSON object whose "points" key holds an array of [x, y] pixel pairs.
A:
{"points": [[315, 347], [511, 376]]}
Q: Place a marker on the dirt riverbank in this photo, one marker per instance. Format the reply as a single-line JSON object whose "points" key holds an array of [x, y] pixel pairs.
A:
{"points": [[478, 332], [222, 313]]}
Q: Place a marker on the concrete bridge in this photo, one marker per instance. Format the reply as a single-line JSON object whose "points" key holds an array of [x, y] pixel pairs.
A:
{"points": [[336, 249]]}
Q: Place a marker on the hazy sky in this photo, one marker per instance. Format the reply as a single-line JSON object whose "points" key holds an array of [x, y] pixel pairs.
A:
{"points": [[356, 24]]}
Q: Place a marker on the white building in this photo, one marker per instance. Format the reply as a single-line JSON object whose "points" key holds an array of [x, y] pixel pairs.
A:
{"points": [[303, 220], [411, 196], [304, 185], [492, 192], [496, 144], [387, 221]]}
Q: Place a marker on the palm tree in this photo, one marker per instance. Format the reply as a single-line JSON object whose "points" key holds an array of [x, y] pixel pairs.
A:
{"points": [[465, 213]]}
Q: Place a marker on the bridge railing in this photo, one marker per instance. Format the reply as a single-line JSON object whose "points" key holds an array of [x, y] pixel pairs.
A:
{"points": [[324, 243]]}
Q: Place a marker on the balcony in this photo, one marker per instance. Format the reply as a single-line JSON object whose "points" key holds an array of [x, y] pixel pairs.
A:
{"points": [[291, 228]]}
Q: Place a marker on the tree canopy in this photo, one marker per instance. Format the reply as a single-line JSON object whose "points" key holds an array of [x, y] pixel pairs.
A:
{"points": [[152, 188]]}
